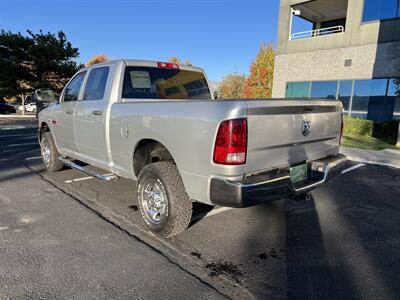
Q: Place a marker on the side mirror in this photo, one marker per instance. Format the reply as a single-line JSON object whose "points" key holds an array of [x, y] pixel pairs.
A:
{"points": [[215, 95], [46, 96]]}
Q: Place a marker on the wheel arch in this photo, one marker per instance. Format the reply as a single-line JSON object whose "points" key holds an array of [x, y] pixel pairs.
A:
{"points": [[42, 129], [148, 151]]}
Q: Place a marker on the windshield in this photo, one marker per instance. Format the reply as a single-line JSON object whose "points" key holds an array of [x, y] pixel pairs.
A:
{"points": [[158, 83]]}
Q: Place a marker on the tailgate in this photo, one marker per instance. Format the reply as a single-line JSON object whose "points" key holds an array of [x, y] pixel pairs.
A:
{"points": [[288, 132]]}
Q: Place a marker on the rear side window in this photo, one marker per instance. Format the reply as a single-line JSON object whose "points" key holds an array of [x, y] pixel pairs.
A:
{"points": [[73, 88], [159, 83], [96, 84]]}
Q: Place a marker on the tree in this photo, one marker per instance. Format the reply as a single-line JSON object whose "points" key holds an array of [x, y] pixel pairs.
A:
{"points": [[33, 61], [178, 61], [232, 86], [259, 82], [97, 59]]}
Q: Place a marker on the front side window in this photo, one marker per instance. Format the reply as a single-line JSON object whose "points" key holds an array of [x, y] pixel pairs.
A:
{"points": [[96, 84], [73, 88], [297, 90], [380, 10], [160, 83], [324, 89]]}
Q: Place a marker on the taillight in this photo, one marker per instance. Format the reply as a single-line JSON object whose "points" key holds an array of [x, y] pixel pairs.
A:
{"points": [[167, 65], [341, 129], [231, 142]]}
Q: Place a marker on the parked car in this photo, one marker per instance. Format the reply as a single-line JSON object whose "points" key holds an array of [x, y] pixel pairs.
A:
{"points": [[157, 123], [7, 109], [30, 107]]}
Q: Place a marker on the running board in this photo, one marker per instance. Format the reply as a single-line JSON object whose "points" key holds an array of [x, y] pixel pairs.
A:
{"points": [[86, 171]]}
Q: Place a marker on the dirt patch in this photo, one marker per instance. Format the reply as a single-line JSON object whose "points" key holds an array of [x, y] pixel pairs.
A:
{"points": [[133, 207], [198, 255], [225, 268], [262, 256]]}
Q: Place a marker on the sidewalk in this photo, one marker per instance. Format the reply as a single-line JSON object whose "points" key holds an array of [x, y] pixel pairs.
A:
{"points": [[388, 157]]}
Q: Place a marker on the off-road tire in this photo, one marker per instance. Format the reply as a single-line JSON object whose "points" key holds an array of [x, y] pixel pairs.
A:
{"points": [[179, 212], [54, 164]]}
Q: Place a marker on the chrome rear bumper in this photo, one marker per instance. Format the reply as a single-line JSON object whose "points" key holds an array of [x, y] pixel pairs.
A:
{"points": [[273, 185]]}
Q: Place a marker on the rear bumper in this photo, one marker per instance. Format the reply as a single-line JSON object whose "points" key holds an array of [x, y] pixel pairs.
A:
{"points": [[274, 185]]}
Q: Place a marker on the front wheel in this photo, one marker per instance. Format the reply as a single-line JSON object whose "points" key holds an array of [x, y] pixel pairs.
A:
{"points": [[49, 153], [163, 203]]}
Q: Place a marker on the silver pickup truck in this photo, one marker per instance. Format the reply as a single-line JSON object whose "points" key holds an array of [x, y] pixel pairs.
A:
{"points": [[157, 123]]}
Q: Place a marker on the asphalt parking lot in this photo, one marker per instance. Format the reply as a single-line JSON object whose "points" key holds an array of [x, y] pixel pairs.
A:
{"points": [[344, 243]]}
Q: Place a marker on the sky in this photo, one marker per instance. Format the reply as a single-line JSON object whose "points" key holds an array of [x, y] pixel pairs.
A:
{"points": [[221, 36]]}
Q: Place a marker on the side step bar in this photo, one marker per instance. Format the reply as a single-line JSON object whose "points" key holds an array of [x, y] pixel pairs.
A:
{"points": [[86, 171]]}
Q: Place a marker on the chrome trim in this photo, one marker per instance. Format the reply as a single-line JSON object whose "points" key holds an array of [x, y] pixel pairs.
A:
{"points": [[88, 172], [327, 169]]}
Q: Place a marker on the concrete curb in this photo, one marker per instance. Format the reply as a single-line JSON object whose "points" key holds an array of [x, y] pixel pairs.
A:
{"points": [[371, 162]]}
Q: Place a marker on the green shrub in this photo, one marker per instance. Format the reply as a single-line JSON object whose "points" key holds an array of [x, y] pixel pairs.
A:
{"points": [[353, 126], [386, 130]]}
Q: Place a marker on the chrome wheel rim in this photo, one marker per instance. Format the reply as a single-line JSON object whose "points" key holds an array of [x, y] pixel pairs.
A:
{"points": [[154, 201], [45, 149]]}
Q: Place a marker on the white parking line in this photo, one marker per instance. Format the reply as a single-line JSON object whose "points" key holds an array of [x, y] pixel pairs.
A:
{"points": [[22, 144], [84, 178], [33, 158], [17, 135], [352, 168]]}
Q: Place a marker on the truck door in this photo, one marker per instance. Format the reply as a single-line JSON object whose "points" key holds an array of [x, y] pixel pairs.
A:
{"points": [[91, 116], [63, 115]]}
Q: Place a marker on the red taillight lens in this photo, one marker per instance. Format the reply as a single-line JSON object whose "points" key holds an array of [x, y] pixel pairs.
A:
{"points": [[231, 142], [166, 65], [341, 130]]}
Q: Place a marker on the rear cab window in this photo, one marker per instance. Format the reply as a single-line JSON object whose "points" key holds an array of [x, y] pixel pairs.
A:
{"points": [[160, 83]]}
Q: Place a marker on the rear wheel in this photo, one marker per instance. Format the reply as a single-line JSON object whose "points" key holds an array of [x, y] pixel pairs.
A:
{"points": [[6, 112], [163, 203], [49, 153]]}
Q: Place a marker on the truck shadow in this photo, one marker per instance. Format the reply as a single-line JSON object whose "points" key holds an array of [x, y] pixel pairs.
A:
{"points": [[309, 275]]}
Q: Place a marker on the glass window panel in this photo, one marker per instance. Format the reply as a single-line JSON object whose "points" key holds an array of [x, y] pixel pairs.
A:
{"points": [[379, 9], [394, 95], [394, 87], [396, 108], [96, 84], [297, 89], [73, 87], [324, 89], [398, 9], [345, 87], [161, 83], [359, 115], [370, 87], [370, 96]]}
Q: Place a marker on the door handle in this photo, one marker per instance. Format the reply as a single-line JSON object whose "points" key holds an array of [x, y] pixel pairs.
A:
{"points": [[97, 112], [70, 111]]}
